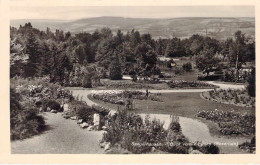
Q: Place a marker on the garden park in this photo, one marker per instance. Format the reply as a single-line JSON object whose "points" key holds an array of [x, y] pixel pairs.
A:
{"points": [[129, 93]]}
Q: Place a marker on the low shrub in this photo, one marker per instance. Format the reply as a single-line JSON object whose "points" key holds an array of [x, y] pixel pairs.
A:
{"points": [[187, 67], [131, 132], [48, 105], [249, 146]]}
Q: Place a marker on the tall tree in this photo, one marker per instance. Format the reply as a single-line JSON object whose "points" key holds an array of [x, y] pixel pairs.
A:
{"points": [[32, 68], [115, 72]]}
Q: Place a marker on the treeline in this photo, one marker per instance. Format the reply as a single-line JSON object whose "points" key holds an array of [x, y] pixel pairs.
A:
{"points": [[65, 58]]}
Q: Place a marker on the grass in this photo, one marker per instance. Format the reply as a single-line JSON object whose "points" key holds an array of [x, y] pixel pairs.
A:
{"points": [[181, 104]]}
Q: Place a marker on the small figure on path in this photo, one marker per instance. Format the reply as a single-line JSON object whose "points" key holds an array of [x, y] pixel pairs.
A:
{"points": [[147, 93]]}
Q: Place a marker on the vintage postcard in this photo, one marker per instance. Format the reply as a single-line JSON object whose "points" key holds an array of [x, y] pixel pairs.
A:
{"points": [[129, 82]]}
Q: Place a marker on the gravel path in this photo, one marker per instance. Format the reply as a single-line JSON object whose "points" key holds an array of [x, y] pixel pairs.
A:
{"points": [[227, 85], [63, 137]]}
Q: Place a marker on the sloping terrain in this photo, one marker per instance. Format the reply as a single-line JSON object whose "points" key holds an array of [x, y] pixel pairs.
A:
{"points": [[219, 28]]}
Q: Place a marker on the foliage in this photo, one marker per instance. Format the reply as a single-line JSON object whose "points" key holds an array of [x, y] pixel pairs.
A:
{"points": [[206, 60], [189, 84], [115, 72], [187, 67], [230, 122], [125, 85], [249, 146], [131, 132], [237, 97], [251, 84], [24, 119], [56, 55], [120, 97], [52, 104]]}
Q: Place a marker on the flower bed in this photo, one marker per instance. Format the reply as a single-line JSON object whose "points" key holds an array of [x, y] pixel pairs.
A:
{"points": [[230, 122], [131, 132], [119, 97], [190, 84], [235, 97], [125, 85], [35, 90]]}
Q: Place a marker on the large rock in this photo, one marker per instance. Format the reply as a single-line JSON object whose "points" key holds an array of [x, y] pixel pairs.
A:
{"points": [[53, 111], [195, 152], [73, 118], [80, 121], [90, 128], [96, 119], [107, 146], [104, 128], [66, 116], [84, 125], [102, 145], [66, 107]]}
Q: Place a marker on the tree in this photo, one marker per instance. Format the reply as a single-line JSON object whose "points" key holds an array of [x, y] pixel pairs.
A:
{"points": [[206, 60], [237, 50], [135, 38], [115, 72], [47, 60], [174, 48], [32, 68], [251, 84]]}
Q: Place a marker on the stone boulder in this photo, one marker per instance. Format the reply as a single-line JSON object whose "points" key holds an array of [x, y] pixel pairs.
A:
{"points": [[107, 146], [73, 118], [84, 125], [195, 152], [53, 111], [80, 121], [90, 128]]}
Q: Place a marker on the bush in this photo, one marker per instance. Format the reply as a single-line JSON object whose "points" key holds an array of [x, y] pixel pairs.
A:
{"points": [[25, 121], [85, 112], [87, 83], [52, 104], [130, 132], [187, 67], [248, 146]]}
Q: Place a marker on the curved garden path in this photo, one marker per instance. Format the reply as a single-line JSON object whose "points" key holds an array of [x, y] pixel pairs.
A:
{"points": [[63, 137], [193, 129], [223, 85]]}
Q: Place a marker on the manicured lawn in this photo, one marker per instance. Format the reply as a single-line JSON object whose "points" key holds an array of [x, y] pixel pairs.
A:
{"points": [[182, 104]]}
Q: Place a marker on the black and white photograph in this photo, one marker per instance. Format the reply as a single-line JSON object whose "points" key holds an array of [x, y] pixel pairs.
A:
{"points": [[132, 80]]}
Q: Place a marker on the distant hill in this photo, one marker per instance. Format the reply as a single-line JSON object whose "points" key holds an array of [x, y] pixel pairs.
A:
{"points": [[219, 28]]}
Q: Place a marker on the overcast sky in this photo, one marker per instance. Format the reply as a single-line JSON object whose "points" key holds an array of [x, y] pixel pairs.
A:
{"points": [[71, 13]]}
